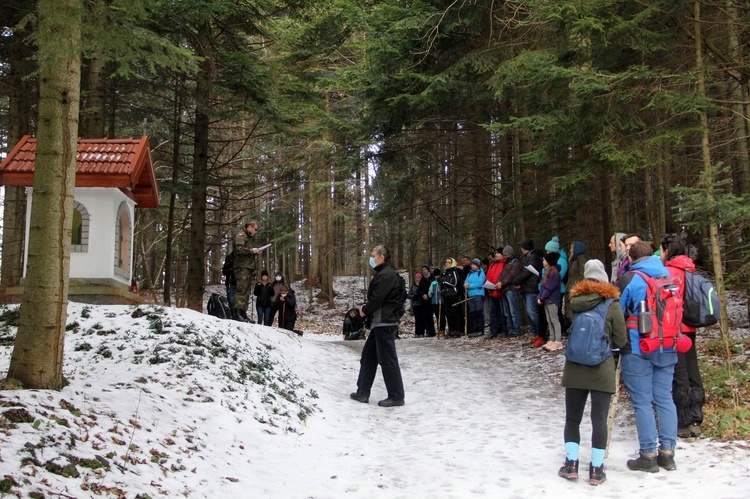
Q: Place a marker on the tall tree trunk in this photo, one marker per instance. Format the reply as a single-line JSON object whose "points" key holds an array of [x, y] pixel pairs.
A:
{"points": [[38, 349], [19, 123], [740, 129], [176, 138], [709, 169], [196, 279], [93, 109]]}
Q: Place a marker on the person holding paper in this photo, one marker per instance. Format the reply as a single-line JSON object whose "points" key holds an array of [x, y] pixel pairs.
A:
{"points": [[528, 283], [244, 268]]}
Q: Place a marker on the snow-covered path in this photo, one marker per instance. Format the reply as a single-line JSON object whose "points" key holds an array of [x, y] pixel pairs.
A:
{"points": [[478, 422]]}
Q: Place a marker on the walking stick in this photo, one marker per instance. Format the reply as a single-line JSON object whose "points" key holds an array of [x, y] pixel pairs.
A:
{"points": [[466, 317], [613, 405]]}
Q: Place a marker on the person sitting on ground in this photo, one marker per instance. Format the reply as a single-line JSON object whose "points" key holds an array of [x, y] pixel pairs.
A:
{"points": [[600, 380], [354, 325]]}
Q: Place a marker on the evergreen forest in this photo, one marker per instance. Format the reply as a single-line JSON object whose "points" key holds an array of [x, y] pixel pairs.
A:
{"points": [[438, 127]]}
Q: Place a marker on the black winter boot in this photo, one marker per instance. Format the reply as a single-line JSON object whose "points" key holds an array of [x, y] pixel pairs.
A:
{"points": [[665, 459], [596, 474], [646, 462], [569, 470]]}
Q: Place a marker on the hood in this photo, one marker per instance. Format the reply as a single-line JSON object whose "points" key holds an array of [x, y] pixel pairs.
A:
{"points": [[587, 294], [587, 287], [579, 248], [681, 262], [651, 266]]}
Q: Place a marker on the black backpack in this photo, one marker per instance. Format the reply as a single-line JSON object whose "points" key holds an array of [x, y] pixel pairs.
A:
{"points": [[402, 296], [228, 267], [218, 306]]}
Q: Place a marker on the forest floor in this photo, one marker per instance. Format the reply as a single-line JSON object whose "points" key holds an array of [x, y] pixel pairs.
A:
{"points": [[166, 401]]}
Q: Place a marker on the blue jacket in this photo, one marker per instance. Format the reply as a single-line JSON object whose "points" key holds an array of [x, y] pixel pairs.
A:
{"points": [[562, 263], [475, 280], [636, 291], [436, 296]]}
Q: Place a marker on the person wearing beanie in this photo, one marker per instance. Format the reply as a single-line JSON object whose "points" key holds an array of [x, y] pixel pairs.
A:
{"points": [[550, 297], [498, 325], [648, 375], [510, 299], [475, 294], [528, 283], [617, 246], [436, 300], [452, 290], [263, 295], [553, 246], [598, 381]]}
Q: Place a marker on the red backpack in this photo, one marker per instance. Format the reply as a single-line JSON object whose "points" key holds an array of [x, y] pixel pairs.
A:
{"points": [[659, 319]]}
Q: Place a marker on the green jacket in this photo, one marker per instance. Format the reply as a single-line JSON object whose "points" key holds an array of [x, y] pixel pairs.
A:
{"points": [[586, 295]]}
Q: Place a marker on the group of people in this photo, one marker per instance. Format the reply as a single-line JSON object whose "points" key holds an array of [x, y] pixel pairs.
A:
{"points": [[274, 299], [665, 386]]}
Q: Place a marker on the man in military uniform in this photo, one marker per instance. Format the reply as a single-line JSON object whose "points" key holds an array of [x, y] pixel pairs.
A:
{"points": [[244, 268]]}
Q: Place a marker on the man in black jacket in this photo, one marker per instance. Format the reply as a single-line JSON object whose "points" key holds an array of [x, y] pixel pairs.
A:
{"points": [[381, 311], [528, 284]]}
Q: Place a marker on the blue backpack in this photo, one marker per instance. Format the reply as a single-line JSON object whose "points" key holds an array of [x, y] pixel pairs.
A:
{"points": [[701, 306], [589, 343]]}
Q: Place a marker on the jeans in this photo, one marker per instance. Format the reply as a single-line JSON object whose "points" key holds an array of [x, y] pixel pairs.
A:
{"points": [[497, 319], [512, 310], [649, 381], [532, 311], [264, 315]]}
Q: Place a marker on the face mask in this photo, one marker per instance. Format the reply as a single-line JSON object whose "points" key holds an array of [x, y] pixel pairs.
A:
{"points": [[372, 262], [283, 294], [278, 278]]}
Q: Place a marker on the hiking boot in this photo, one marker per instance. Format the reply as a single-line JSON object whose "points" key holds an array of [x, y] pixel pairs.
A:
{"points": [[695, 430], [596, 474], [539, 341], [646, 462], [684, 432], [389, 402], [359, 397], [665, 459], [569, 470]]}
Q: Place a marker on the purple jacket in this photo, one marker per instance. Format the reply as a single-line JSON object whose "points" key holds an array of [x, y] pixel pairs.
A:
{"points": [[550, 291]]}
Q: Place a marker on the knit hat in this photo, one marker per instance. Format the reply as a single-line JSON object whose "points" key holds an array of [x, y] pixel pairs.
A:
{"points": [[436, 273], [552, 258], [425, 266], [528, 245], [265, 272], [553, 245], [594, 269], [417, 274], [508, 251], [579, 248], [477, 262]]}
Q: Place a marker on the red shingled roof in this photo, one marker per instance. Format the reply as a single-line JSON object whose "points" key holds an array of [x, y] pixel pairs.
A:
{"points": [[119, 163]]}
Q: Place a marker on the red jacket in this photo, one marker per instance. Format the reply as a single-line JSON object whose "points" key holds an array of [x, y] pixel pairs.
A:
{"points": [[677, 267], [493, 275]]}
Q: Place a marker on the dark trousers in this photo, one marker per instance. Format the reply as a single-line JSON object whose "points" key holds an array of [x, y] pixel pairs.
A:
{"points": [[423, 320], [575, 402], [454, 315], [687, 387], [380, 349]]}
